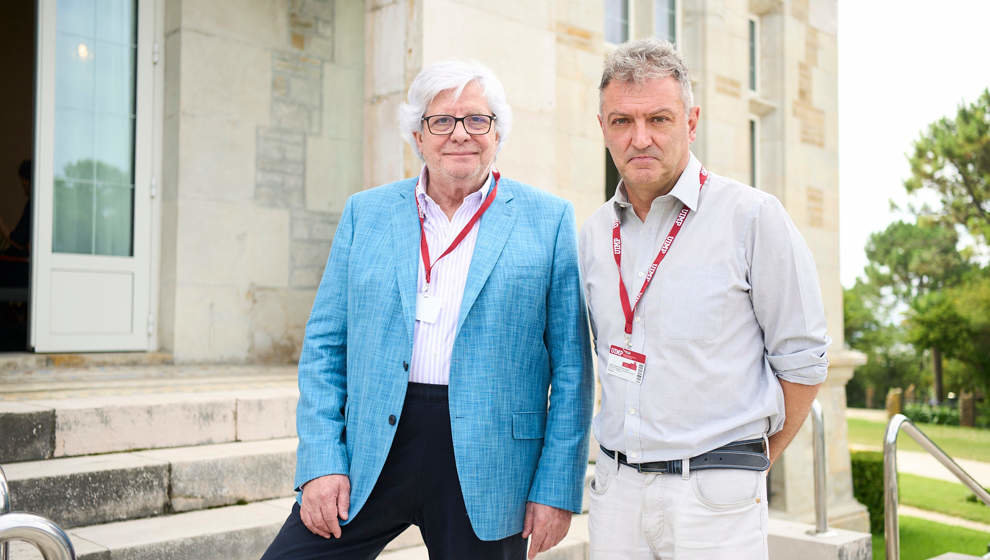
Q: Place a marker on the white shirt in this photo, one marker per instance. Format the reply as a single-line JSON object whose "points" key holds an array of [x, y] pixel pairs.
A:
{"points": [[734, 304], [433, 342]]}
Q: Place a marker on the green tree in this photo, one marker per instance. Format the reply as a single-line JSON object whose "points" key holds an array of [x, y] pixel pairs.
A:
{"points": [[891, 362], [952, 158], [912, 261]]}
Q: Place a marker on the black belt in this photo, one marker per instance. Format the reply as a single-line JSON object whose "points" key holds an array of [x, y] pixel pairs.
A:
{"points": [[748, 455]]}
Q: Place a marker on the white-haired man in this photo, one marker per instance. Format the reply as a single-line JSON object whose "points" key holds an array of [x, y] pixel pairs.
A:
{"points": [[450, 307], [708, 326]]}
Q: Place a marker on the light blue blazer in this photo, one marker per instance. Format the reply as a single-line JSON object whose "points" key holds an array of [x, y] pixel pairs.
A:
{"points": [[521, 384]]}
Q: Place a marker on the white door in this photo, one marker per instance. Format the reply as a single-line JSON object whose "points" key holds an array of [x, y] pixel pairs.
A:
{"points": [[91, 251]]}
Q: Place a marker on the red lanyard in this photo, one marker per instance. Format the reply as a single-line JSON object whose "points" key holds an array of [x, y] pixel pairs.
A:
{"points": [[425, 249], [628, 309]]}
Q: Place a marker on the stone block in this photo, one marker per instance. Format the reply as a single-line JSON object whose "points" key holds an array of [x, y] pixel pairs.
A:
{"points": [[387, 28], [211, 322], [218, 475], [791, 540], [216, 158], [267, 414], [225, 78], [118, 423], [28, 432], [89, 490], [266, 259], [348, 48], [260, 22]]}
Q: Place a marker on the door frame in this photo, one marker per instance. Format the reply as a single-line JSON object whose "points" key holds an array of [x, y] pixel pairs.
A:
{"points": [[146, 207]]}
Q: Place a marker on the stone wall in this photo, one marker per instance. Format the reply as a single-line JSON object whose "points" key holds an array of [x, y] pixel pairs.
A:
{"points": [[262, 145]]}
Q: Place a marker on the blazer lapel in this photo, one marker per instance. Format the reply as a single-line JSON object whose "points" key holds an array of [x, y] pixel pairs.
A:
{"points": [[405, 239], [493, 231]]}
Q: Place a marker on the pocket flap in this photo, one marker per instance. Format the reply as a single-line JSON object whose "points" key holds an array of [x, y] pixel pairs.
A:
{"points": [[529, 425]]}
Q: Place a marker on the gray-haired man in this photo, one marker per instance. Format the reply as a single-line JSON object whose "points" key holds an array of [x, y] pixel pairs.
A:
{"points": [[708, 326]]}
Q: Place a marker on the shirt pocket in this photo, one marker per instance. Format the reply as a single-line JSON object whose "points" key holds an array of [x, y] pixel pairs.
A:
{"points": [[692, 302]]}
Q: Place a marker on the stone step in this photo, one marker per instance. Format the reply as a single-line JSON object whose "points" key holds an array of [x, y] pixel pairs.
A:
{"points": [[240, 532], [40, 429], [95, 489], [573, 547]]}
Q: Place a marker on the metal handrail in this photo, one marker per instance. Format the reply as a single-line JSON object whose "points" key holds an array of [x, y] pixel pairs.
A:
{"points": [[53, 543], [821, 493], [891, 532], [4, 508]]}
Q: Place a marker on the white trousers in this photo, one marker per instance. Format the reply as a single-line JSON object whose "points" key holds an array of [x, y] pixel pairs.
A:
{"points": [[710, 514]]}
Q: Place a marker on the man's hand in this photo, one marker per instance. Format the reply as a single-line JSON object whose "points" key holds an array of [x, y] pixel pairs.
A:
{"points": [[325, 499], [547, 525]]}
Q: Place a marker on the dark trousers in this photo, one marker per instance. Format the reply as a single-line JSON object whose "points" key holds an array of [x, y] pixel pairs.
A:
{"points": [[417, 486]]}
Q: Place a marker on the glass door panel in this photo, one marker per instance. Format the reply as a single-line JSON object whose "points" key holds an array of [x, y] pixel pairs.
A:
{"points": [[95, 84]]}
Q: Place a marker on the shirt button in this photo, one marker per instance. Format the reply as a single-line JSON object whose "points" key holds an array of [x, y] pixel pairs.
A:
{"points": [[633, 454], [642, 274], [391, 419], [632, 412], [638, 318]]}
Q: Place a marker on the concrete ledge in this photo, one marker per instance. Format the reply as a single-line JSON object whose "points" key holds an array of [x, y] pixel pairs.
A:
{"points": [[791, 540], [88, 490], [230, 533], [28, 432], [267, 414], [225, 474], [35, 430], [107, 424]]}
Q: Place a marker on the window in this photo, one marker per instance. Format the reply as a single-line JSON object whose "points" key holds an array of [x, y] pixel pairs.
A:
{"points": [[665, 20], [616, 21], [753, 53], [753, 147], [94, 127]]}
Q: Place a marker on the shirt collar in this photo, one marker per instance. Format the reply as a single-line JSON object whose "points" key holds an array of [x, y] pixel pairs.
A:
{"points": [[424, 180], [686, 189]]}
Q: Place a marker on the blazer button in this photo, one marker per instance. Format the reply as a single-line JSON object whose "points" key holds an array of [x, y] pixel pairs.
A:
{"points": [[405, 366], [391, 419]]}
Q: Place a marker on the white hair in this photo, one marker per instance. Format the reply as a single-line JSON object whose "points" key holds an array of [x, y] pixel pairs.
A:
{"points": [[455, 75], [645, 59]]}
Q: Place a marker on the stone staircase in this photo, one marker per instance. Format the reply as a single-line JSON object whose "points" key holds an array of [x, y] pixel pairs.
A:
{"points": [[163, 462], [159, 461]]}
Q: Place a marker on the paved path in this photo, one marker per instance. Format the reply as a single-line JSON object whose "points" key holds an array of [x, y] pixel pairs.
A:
{"points": [[942, 518]]}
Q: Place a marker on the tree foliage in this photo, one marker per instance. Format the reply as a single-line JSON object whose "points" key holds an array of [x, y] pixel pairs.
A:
{"points": [[952, 158]]}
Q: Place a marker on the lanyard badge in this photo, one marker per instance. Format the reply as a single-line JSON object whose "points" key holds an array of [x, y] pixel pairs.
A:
{"points": [[623, 362], [428, 305]]}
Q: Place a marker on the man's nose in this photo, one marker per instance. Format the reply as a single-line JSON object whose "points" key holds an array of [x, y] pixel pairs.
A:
{"points": [[641, 136], [460, 132]]}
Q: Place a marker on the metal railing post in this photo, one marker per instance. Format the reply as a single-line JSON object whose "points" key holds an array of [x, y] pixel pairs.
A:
{"points": [[891, 531], [821, 490], [53, 543], [4, 508]]}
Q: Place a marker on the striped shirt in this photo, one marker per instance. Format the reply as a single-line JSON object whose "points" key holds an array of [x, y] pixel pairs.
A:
{"points": [[433, 342]]}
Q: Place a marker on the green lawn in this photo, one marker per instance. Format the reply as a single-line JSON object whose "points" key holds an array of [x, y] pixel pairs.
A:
{"points": [[922, 539], [941, 496], [958, 442]]}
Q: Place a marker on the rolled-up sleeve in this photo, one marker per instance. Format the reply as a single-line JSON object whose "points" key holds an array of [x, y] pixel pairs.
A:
{"points": [[787, 297]]}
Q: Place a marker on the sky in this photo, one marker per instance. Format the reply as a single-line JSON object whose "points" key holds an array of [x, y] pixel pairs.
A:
{"points": [[902, 65]]}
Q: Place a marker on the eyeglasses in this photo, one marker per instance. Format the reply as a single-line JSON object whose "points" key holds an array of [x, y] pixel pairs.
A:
{"points": [[473, 124]]}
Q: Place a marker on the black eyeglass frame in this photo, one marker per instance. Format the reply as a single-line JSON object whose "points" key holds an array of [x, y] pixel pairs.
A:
{"points": [[491, 121]]}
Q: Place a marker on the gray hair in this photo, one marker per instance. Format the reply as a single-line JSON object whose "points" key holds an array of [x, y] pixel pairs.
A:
{"points": [[645, 59], [455, 75]]}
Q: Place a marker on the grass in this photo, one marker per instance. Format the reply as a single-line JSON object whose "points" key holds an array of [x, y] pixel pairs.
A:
{"points": [[944, 497], [958, 442], [922, 539]]}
